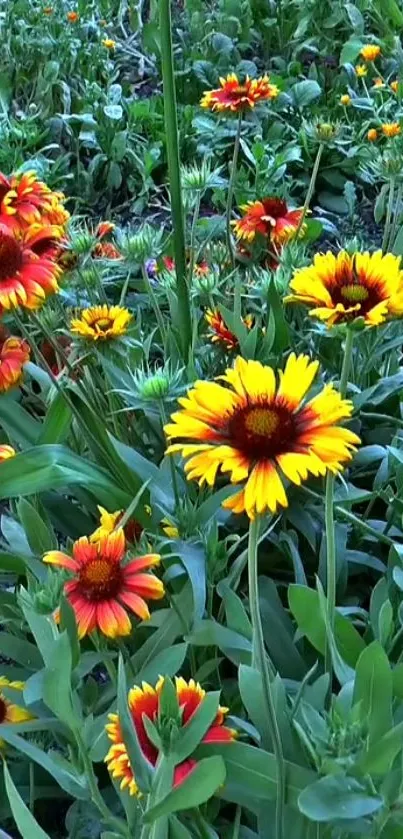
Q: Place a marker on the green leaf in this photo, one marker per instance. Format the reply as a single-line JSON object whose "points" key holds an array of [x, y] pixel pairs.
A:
{"points": [[277, 321], [61, 771], [251, 690], [40, 537], [235, 613], [305, 606], [193, 558], [305, 92], [351, 50], [68, 622], [21, 651], [27, 825], [138, 761], [378, 758], [43, 627], [373, 688], [191, 734], [337, 797], [18, 423], [57, 423], [209, 633], [200, 785], [391, 10], [57, 692]]}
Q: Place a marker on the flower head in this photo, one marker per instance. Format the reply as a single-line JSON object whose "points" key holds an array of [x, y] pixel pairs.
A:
{"points": [[106, 250], [372, 135], [346, 286], [143, 702], [391, 129], [109, 43], [236, 96], [27, 272], [220, 332], [47, 10], [361, 70], [378, 82], [9, 711], [108, 522], [255, 429], [104, 228], [345, 99], [14, 353], [370, 52], [6, 452], [25, 200], [102, 582], [73, 17], [394, 86], [269, 217], [101, 323]]}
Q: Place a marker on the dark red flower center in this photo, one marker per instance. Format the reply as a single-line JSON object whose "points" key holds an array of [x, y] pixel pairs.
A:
{"points": [[3, 709], [100, 579], [10, 255], [103, 323], [262, 431], [275, 207], [351, 289]]}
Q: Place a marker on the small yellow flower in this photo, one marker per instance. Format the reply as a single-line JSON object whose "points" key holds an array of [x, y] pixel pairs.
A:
{"points": [[109, 43], [6, 452], [169, 529], [101, 323], [378, 82], [345, 99], [361, 70], [372, 135], [9, 712], [391, 129], [394, 86], [370, 52]]}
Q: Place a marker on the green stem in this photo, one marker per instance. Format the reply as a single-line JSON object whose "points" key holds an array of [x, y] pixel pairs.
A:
{"points": [[259, 658], [31, 786], [386, 231], [124, 289], [331, 558], [114, 822], [395, 216], [311, 189], [164, 421], [155, 305], [195, 219], [172, 146], [237, 822], [231, 187]]}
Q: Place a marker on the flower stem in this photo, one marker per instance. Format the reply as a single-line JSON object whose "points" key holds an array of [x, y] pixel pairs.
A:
{"points": [[195, 219], [311, 189], [389, 210], [331, 558], [172, 146], [231, 187], [259, 660], [396, 214], [113, 821], [155, 305]]}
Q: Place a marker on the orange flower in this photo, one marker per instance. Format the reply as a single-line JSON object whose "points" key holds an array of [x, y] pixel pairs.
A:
{"points": [[106, 250], [104, 228], [236, 96], [221, 333], [73, 17], [201, 269], [391, 129], [14, 353], [395, 86], [27, 273], [23, 198], [378, 82], [269, 217], [6, 452], [372, 135], [370, 52], [102, 583], [145, 702]]}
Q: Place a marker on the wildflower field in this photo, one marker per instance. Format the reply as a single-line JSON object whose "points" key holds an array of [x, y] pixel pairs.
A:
{"points": [[201, 419]]}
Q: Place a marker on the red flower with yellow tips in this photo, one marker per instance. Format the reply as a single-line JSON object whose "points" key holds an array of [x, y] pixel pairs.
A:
{"points": [[257, 429], [27, 275], [10, 712], [25, 200], [104, 584], [270, 218], [221, 333], [145, 702], [104, 228], [6, 452], [14, 353], [106, 250], [108, 522], [236, 96]]}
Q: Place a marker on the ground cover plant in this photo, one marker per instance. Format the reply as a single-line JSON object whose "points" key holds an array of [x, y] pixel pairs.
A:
{"points": [[201, 459]]}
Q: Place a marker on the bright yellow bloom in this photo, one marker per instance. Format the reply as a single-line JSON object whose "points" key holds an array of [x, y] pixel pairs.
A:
{"points": [[391, 129], [169, 529], [345, 99], [372, 135], [6, 452], [394, 86], [258, 429], [9, 712], [109, 43], [361, 70], [370, 52], [346, 286], [101, 323]]}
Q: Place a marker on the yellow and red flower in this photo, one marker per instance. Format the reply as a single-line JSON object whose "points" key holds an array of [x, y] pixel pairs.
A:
{"points": [[27, 272], [145, 702], [103, 584], [235, 96], [394, 85], [9, 711], [102, 323], [104, 228], [220, 332], [378, 82], [6, 452], [25, 200], [370, 52], [108, 522], [346, 286], [106, 250], [391, 129], [269, 217], [14, 353], [256, 429]]}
